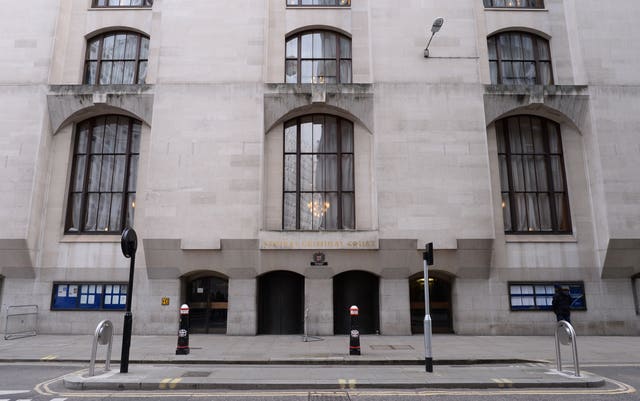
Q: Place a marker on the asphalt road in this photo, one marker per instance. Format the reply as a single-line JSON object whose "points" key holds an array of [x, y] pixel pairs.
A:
{"points": [[39, 382]]}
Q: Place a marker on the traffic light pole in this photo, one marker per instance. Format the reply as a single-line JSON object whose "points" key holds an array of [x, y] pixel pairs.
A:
{"points": [[427, 257], [129, 245]]}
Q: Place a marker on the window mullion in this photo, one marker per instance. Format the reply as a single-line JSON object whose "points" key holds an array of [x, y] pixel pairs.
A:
{"points": [[125, 181], [298, 174], [551, 190], [510, 189], [340, 222], [96, 80]]}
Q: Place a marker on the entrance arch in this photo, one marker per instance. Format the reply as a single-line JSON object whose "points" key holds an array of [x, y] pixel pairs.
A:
{"points": [[208, 300], [358, 288], [280, 303], [439, 305]]}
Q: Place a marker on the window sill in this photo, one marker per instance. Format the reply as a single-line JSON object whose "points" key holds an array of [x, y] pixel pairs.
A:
{"points": [[515, 9], [90, 238], [117, 8], [540, 238], [319, 7]]}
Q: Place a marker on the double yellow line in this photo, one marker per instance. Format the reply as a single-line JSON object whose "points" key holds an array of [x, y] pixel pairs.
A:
{"points": [[169, 383]]}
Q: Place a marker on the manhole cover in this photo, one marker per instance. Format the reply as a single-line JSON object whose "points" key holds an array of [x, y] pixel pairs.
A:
{"points": [[334, 396], [390, 347], [381, 347], [196, 374], [401, 347]]}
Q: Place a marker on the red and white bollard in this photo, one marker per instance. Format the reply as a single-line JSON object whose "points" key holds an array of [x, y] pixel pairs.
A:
{"points": [[183, 331], [354, 333]]}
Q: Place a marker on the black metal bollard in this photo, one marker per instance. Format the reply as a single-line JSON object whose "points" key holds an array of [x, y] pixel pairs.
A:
{"points": [[354, 337], [183, 332]]}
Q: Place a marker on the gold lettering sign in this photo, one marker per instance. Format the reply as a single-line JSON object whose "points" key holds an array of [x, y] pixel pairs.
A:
{"points": [[165, 300], [319, 244]]}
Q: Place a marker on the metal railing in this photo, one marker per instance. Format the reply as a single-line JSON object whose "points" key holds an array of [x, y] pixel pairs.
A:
{"points": [[566, 335], [102, 336], [21, 321]]}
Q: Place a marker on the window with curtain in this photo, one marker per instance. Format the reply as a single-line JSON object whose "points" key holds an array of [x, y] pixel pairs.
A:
{"points": [[318, 174], [514, 3], [318, 57], [122, 3], [102, 196], [519, 58], [116, 58], [319, 3], [532, 176]]}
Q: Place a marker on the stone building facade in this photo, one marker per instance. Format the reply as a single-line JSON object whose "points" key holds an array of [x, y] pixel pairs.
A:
{"points": [[281, 160]]}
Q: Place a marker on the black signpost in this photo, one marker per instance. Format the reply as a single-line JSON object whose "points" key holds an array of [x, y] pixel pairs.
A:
{"points": [[129, 245]]}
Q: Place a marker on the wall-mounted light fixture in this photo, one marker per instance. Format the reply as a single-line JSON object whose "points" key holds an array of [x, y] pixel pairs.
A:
{"points": [[437, 24]]}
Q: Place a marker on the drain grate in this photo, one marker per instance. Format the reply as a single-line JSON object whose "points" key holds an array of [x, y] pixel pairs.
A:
{"points": [[329, 396], [196, 374]]}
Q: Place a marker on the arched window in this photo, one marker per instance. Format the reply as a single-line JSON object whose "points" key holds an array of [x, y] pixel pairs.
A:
{"points": [[519, 58], [532, 176], [102, 194], [318, 174], [116, 58], [318, 57]]}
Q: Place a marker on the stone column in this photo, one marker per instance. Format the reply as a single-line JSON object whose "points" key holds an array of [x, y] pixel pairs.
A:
{"points": [[318, 302], [395, 314], [242, 315]]}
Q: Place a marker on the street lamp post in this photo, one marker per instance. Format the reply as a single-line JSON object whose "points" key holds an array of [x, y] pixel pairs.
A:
{"points": [[129, 245], [427, 256]]}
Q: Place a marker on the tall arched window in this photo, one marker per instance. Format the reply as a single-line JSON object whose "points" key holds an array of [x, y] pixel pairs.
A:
{"points": [[116, 58], [519, 58], [532, 176], [318, 174], [318, 57], [102, 194]]}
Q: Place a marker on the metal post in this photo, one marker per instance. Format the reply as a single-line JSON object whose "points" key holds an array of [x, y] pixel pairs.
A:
{"points": [[354, 336], [427, 256], [183, 331], [103, 336], [565, 334], [129, 244]]}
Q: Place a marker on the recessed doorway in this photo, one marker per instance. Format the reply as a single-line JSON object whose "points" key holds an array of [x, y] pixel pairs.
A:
{"points": [[208, 300], [280, 303], [439, 305], [358, 288]]}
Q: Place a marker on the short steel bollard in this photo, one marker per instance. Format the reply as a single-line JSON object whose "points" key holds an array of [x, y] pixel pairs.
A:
{"points": [[354, 336], [102, 336], [566, 335], [183, 331]]}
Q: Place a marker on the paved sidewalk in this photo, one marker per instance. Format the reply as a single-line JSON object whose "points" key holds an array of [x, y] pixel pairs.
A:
{"points": [[239, 362]]}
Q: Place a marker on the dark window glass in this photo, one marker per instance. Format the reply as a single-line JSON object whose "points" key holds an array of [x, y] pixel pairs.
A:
{"points": [[514, 3], [318, 3], [122, 3], [318, 174], [532, 176], [116, 58], [103, 180], [318, 57], [519, 58]]}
